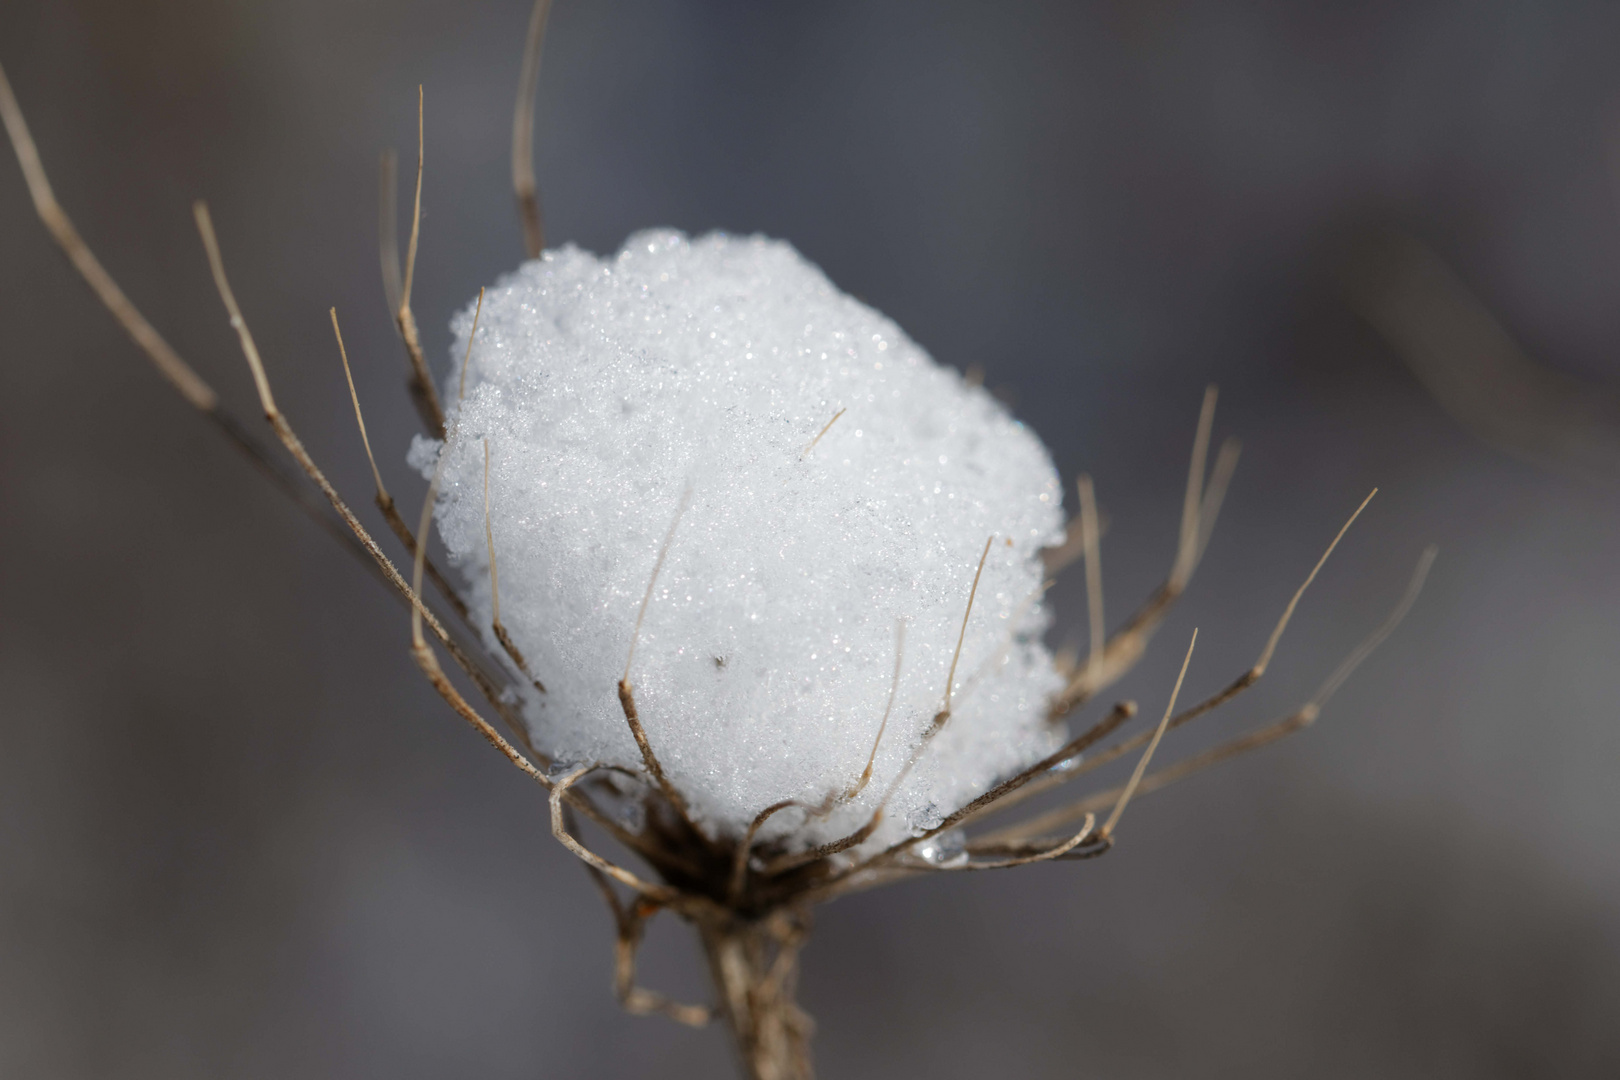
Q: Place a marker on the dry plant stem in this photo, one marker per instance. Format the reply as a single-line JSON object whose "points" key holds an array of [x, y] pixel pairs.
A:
{"points": [[55, 219], [1055, 851], [961, 636], [1303, 717], [421, 383], [1121, 712], [1009, 791], [170, 366], [755, 968], [1107, 831], [295, 447], [1242, 683], [825, 428], [630, 921], [889, 864], [523, 184], [385, 501], [661, 894], [627, 700], [196, 392], [1093, 557], [1187, 548], [425, 659], [1251, 676], [1199, 512]]}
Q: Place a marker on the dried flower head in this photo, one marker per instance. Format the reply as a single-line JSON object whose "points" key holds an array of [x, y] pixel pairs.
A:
{"points": [[752, 585]]}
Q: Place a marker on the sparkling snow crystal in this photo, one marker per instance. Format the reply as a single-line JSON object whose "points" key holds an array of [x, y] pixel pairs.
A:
{"points": [[606, 387]]}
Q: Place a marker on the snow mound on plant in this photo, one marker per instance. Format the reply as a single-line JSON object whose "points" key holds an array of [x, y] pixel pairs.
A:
{"points": [[606, 388]]}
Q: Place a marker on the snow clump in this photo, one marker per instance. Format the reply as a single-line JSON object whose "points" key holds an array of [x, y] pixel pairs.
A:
{"points": [[606, 388]]}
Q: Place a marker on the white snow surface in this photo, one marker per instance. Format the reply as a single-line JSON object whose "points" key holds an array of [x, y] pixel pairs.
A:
{"points": [[608, 387]]}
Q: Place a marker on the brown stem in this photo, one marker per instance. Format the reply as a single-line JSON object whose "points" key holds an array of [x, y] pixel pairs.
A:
{"points": [[755, 967]]}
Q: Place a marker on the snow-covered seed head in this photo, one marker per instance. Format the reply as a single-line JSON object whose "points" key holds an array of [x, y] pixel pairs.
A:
{"points": [[608, 388]]}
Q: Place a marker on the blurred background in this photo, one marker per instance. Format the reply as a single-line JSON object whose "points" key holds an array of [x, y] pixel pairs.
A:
{"points": [[240, 837]]}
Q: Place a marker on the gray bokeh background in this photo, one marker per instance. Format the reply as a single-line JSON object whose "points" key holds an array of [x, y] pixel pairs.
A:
{"points": [[239, 836]]}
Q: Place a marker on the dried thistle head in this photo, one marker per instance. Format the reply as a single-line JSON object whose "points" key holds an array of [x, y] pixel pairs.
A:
{"points": [[629, 481]]}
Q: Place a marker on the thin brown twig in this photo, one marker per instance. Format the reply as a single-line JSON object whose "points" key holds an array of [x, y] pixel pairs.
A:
{"points": [[1093, 559], [295, 447], [627, 700], [1056, 850], [961, 636], [175, 371], [354, 538], [178, 373], [279, 423], [1107, 830], [662, 894], [428, 662], [825, 428], [523, 182], [385, 501], [1126, 646], [423, 394], [1220, 478], [630, 922], [1303, 717], [1027, 783], [883, 725], [1009, 789], [1249, 677], [1186, 550]]}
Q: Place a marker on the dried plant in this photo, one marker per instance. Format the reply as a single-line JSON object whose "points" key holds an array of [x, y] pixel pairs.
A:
{"points": [[749, 892]]}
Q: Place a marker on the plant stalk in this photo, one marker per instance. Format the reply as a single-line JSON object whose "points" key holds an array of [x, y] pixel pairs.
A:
{"points": [[755, 968]]}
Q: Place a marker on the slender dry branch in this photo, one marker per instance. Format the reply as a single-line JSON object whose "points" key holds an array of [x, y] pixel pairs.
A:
{"points": [[175, 371], [425, 397], [1303, 717], [523, 183], [284, 431], [627, 700], [661, 894], [354, 538], [385, 501], [883, 725], [630, 922], [1093, 558], [1199, 509], [1253, 674], [1019, 787], [295, 447], [1107, 831], [961, 636], [825, 428], [1186, 550], [1009, 790], [178, 373], [1044, 853]]}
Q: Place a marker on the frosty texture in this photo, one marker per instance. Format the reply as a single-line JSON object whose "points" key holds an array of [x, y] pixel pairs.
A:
{"points": [[606, 386]]}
